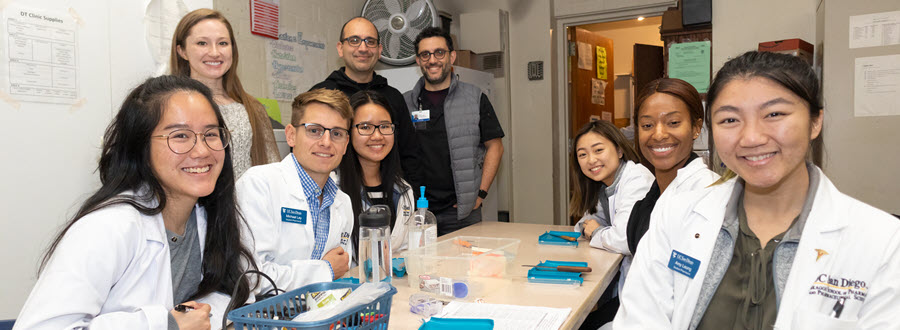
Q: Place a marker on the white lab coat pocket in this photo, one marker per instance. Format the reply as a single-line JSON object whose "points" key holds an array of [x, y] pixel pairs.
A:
{"points": [[806, 319]]}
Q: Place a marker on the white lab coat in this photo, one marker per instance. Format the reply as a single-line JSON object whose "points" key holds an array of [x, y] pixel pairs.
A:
{"points": [[693, 176], [632, 186], [861, 243], [283, 249], [111, 270]]}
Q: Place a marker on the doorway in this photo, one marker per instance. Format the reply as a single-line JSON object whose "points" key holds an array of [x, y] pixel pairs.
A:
{"points": [[607, 64]]}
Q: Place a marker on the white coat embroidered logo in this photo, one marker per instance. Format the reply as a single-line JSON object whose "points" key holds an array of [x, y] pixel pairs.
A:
{"points": [[820, 253]]}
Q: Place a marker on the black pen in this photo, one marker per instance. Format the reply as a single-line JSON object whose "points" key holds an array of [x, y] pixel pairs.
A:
{"points": [[182, 308], [838, 308]]}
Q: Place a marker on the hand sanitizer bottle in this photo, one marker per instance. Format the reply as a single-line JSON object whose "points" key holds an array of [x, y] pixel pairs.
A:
{"points": [[423, 227]]}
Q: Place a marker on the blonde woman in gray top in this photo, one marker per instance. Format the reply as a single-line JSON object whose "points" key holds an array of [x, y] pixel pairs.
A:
{"points": [[204, 49]]}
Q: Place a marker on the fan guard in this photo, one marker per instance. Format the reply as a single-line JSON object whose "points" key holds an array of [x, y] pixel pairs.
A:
{"points": [[398, 23]]}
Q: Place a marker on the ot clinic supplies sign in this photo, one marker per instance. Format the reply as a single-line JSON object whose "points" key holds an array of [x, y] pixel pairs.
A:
{"points": [[39, 60]]}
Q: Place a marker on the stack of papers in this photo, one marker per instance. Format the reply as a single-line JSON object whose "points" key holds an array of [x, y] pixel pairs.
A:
{"points": [[510, 317]]}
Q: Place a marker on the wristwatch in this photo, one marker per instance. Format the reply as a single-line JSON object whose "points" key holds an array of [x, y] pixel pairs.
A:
{"points": [[482, 193]]}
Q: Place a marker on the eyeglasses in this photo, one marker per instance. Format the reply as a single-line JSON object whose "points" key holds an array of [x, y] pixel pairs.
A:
{"points": [[183, 141], [438, 54], [366, 129], [316, 131], [355, 41]]}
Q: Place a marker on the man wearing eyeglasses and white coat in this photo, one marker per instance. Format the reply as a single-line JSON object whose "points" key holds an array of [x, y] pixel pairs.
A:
{"points": [[298, 221], [459, 133]]}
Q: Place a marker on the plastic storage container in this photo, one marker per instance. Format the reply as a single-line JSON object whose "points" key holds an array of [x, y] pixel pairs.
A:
{"points": [[286, 306], [463, 267]]}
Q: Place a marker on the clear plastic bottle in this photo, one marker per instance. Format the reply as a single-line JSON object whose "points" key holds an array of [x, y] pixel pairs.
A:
{"points": [[375, 245], [423, 227]]}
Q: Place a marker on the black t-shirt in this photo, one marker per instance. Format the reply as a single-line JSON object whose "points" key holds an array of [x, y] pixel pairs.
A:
{"points": [[376, 196], [437, 174]]}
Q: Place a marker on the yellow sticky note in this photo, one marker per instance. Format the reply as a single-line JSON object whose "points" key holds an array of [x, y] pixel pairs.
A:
{"points": [[601, 63]]}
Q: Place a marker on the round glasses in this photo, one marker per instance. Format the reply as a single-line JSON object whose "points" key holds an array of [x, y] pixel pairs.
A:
{"points": [[316, 131], [438, 54], [183, 141], [355, 41], [366, 129]]}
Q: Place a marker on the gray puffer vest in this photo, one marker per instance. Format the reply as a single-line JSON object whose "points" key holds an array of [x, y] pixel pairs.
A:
{"points": [[461, 117]]}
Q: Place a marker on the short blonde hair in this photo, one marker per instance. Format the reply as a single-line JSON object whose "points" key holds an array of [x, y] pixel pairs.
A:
{"points": [[335, 99]]}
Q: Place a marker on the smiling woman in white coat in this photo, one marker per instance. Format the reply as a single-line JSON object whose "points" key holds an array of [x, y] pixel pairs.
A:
{"points": [[163, 229], [668, 118], [607, 182], [773, 244], [370, 172]]}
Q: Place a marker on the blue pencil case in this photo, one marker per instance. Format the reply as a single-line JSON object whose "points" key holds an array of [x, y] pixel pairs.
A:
{"points": [[437, 323], [548, 238], [544, 275]]}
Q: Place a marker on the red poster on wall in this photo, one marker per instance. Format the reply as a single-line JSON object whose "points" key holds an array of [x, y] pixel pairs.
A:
{"points": [[264, 18]]}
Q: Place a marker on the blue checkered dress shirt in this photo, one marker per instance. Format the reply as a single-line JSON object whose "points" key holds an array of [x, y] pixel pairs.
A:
{"points": [[320, 213]]}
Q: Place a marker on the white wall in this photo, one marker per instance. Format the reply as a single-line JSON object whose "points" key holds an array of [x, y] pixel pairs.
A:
{"points": [[861, 153], [739, 26]]}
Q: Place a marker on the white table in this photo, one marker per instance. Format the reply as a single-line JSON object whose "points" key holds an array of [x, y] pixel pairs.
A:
{"points": [[520, 292]]}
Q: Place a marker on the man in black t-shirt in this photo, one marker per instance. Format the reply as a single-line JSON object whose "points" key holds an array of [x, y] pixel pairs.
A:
{"points": [[359, 48], [459, 133]]}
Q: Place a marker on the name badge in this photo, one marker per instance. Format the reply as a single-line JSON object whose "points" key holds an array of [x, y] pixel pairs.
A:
{"points": [[684, 264], [421, 115], [293, 215]]}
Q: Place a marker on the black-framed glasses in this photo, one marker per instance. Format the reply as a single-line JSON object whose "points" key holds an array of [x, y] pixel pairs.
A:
{"points": [[355, 41], [316, 131], [438, 54], [183, 141], [366, 129]]}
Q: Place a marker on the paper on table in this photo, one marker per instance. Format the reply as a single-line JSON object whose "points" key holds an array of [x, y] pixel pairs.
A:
{"points": [[877, 86], [878, 29], [510, 317]]}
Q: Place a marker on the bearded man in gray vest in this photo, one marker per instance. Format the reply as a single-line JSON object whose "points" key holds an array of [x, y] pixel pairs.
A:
{"points": [[459, 134]]}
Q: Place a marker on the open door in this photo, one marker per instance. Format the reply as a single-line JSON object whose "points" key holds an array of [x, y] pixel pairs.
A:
{"points": [[648, 66], [591, 81], [591, 78]]}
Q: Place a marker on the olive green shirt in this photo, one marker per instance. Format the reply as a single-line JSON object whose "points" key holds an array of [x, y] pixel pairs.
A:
{"points": [[745, 299]]}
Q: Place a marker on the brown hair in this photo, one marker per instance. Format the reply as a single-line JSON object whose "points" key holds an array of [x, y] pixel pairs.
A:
{"points": [[332, 98], [263, 149], [586, 191], [678, 88]]}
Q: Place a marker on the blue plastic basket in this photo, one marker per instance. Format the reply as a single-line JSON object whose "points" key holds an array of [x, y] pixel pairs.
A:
{"points": [[286, 306]]}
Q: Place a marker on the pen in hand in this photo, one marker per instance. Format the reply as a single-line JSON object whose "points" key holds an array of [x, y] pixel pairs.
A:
{"points": [[182, 308]]}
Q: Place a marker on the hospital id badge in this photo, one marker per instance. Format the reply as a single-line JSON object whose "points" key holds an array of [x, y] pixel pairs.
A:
{"points": [[684, 264], [293, 215], [421, 116]]}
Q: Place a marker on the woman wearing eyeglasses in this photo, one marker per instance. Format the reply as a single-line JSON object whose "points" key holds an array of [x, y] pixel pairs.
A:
{"points": [[370, 171], [163, 229], [299, 220], [204, 49]]}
